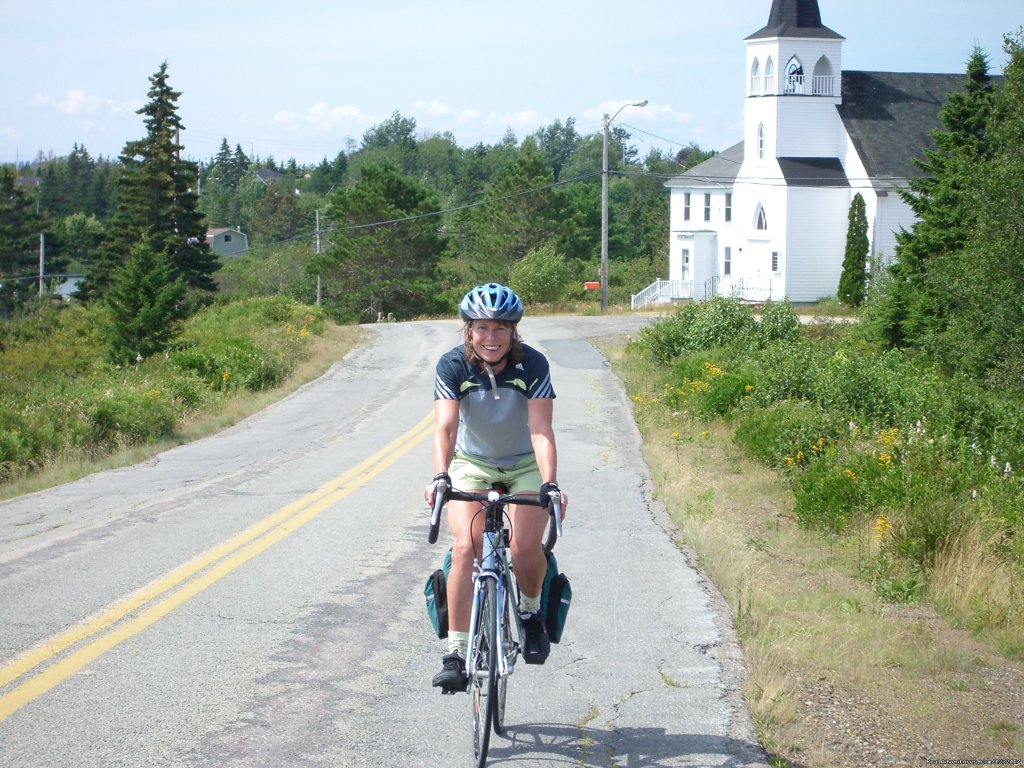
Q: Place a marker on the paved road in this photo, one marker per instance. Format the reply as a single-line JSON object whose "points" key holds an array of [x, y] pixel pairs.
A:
{"points": [[255, 598]]}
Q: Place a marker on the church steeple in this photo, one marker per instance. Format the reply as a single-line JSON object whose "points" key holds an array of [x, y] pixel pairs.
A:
{"points": [[795, 18]]}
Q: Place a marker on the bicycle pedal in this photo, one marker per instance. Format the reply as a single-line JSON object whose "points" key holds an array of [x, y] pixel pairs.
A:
{"points": [[452, 691]]}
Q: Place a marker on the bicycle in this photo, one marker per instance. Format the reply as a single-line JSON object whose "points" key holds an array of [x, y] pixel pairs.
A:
{"points": [[495, 639]]}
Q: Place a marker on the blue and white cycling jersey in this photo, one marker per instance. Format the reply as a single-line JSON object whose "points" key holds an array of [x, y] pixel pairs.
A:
{"points": [[493, 430]]}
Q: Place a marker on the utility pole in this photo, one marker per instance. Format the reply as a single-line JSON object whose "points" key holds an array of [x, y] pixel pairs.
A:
{"points": [[42, 261], [605, 123], [319, 290]]}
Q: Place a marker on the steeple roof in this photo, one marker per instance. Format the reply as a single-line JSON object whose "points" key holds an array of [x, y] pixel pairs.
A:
{"points": [[795, 18]]}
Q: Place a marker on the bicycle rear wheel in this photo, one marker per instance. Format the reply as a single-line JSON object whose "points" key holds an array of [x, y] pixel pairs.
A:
{"points": [[485, 677]]}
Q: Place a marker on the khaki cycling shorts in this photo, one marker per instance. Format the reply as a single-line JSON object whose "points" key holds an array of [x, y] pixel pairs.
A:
{"points": [[472, 474]]}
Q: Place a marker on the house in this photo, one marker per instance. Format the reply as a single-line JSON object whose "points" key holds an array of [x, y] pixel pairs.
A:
{"points": [[767, 218], [227, 242]]}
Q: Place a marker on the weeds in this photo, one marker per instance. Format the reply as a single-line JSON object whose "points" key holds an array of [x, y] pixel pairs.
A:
{"points": [[61, 401], [862, 438]]}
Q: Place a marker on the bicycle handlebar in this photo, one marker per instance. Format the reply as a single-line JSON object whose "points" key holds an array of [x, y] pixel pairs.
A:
{"points": [[442, 493]]}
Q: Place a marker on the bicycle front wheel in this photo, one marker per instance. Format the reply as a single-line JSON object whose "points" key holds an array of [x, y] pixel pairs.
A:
{"points": [[508, 648], [485, 674]]}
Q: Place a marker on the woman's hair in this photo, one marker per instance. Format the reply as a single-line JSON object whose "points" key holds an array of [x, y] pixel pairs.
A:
{"points": [[515, 348]]}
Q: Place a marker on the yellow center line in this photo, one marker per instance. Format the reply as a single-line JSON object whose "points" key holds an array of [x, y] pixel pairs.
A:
{"points": [[216, 562]]}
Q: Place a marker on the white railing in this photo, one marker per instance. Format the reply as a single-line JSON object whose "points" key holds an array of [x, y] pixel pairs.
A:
{"points": [[755, 85], [662, 291], [823, 85]]}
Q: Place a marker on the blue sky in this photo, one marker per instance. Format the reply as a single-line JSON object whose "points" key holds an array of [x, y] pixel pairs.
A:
{"points": [[306, 79]]}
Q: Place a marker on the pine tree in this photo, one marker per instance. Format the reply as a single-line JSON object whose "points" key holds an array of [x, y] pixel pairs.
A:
{"points": [[19, 241], [144, 300], [157, 201], [376, 267], [851, 282], [912, 311]]}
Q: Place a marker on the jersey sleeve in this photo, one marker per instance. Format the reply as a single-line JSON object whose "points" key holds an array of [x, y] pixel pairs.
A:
{"points": [[540, 377], [446, 379]]}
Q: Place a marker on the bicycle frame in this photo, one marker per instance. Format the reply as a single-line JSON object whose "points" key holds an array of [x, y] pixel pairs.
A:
{"points": [[494, 565]]}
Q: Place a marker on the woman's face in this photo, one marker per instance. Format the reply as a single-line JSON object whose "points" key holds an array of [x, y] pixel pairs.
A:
{"points": [[491, 339]]}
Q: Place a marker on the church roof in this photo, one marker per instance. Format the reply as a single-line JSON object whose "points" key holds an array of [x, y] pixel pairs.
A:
{"points": [[890, 116], [717, 171], [813, 172], [795, 18]]}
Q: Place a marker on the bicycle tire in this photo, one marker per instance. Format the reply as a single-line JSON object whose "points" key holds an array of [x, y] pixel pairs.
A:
{"points": [[509, 650], [485, 678]]}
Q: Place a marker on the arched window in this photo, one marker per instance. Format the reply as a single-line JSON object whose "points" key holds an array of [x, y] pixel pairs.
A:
{"points": [[769, 76], [762, 219], [760, 141], [794, 76], [755, 78], [823, 83]]}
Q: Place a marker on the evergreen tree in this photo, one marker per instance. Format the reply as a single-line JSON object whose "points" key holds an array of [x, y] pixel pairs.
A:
{"points": [[911, 310], [522, 214], [144, 300], [852, 280], [383, 258], [982, 336], [157, 201], [19, 242]]}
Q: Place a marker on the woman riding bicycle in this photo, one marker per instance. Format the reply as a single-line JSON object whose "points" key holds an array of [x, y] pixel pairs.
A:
{"points": [[493, 403]]}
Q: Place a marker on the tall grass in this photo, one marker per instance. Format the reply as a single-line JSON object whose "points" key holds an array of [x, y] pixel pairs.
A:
{"points": [[865, 440], [61, 401]]}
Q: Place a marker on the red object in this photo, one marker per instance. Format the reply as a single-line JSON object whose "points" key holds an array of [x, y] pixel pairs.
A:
{"points": [[592, 285]]}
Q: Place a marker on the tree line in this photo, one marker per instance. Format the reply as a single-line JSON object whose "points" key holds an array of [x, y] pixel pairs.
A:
{"points": [[396, 225]]}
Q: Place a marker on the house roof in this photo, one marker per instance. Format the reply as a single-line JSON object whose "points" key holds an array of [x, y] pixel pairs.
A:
{"points": [[795, 18], [890, 116], [717, 171]]}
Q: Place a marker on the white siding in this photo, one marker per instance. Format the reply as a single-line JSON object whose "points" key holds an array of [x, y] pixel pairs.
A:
{"points": [[818, 221], [810, 127], [893, 214]]}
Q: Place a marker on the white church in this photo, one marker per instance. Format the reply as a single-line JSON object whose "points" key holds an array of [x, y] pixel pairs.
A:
{"points": [[767, 218]]}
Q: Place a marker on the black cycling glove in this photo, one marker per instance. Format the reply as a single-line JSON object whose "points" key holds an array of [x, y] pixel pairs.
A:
{"points": [[546, 490]]}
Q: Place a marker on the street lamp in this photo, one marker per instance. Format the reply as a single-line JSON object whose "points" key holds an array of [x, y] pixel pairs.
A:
{"points": [[604, 203]]}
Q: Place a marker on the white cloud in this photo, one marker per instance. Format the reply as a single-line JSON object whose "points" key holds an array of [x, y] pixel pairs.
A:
{"points": [[77, 103], [322, 116]]}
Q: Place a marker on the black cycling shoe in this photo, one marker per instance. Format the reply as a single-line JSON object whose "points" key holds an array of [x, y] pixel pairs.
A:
{"points": [[452, 678], [536, 644]]}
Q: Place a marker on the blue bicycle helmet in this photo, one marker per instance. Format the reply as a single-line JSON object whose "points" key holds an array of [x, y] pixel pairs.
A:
{"points": [[491, 301]]}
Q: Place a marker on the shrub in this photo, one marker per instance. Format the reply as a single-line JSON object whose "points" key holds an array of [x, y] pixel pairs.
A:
{"points": [[128, 417], [228, 363], [784, 435], [779, 323], [697, 326], [541, 275]]}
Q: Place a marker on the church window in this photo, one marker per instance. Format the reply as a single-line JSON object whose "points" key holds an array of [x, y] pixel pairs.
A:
{"points": [[760, 141], [755, 78], [762, 219], [769, 76], [794, 76]]}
